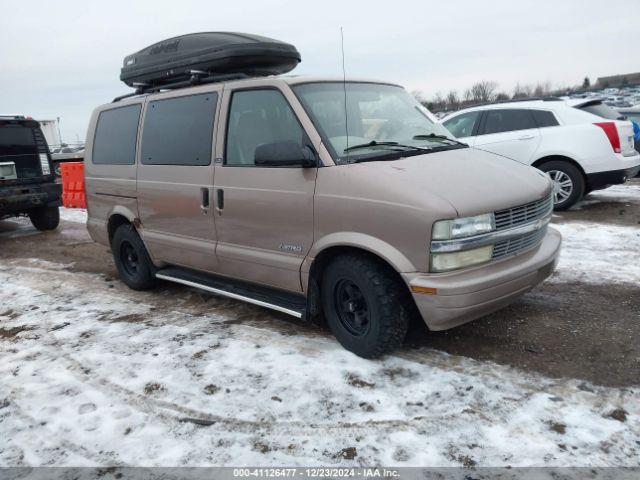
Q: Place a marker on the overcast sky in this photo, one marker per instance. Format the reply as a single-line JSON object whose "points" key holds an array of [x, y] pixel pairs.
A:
{"points": [[62, 58]]}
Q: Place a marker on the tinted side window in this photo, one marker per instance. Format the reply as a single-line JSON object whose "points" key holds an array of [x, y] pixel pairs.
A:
{"points": [[498, 121], [544, 118], [462, 125], [115, 139], [257, 117], [179, 131]]}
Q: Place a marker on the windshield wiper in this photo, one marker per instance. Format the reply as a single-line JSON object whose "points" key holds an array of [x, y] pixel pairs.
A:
{"points": [[430, 136], [373, 143]]}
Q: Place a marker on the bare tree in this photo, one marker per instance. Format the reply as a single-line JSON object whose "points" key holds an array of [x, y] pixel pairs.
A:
{"points": [[468, 96], [453, 101], [501, 97], [437, 103], [484, 91], [542, 89], [522, 91]]}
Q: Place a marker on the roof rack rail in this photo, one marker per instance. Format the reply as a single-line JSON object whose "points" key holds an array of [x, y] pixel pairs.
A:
{"points": [[515, 100], [197, 77], [549, 98]]}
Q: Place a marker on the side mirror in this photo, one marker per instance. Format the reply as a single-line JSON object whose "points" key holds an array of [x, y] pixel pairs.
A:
{"points": [[284, 154]]}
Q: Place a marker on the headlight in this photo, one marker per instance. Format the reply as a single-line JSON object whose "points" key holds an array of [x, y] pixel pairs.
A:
{"points": [[44, 164], [443, 262], [463, 227]]}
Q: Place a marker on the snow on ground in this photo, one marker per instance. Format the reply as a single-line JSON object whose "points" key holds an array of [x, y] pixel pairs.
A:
{"points": [[92, 375], [627, 193], [598, 253], [77, 215]]}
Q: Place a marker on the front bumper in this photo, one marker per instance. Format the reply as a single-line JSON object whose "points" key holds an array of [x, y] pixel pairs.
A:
{"points": [[465, 295], [23, 198], [599, 180]]}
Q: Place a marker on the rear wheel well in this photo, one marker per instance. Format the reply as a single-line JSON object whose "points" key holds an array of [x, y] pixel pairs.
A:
{"points": [[319, 265], [114, 222], [561, 158]]}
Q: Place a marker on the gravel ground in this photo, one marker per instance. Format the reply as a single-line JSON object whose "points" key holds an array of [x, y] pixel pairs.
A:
{"points": [[165, 376]]}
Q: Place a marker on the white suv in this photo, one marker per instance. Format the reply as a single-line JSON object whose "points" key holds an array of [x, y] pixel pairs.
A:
{"points": [[579, 150]]}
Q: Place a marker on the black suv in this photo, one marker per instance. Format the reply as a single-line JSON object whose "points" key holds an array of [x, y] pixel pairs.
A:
{"points": [[27, 182]]}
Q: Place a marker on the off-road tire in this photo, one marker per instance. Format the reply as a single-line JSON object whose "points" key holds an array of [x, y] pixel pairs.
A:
{"points": [[387, 298], [126, 247], [579, 187], [45, 218]]}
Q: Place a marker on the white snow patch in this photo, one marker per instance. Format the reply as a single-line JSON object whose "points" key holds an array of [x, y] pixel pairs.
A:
{"points": [[617, 193], [627, 194], [77, 215], [598, 253], [94, 377]]}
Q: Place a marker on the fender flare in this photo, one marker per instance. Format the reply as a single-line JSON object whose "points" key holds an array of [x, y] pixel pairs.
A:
{"points": [[374, 245]]}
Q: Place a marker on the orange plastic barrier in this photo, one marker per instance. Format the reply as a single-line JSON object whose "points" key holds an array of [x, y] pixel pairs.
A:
{"points": [[73, 192]]}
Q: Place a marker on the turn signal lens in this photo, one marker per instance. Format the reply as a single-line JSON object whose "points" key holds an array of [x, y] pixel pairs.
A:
{"points": [[424, 290]]}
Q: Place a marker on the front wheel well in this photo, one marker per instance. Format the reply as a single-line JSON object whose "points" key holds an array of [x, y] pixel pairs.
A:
{"points": [[320, 263], [551, 158]]}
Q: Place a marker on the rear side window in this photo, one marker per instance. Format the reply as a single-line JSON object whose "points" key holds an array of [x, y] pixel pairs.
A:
{"points": [[601, 110], [179, 131], [462, 125], [544, 118], [499, 121], [115, 139]]}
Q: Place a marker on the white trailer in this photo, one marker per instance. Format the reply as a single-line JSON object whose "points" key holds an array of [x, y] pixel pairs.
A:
{"points": [[51, 132]]}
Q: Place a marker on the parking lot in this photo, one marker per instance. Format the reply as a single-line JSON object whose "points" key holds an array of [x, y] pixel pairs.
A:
{"points": [[178, 377]]}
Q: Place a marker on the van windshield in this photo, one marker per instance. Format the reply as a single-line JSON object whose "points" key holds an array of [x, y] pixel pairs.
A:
{"points": [[360, 121]]}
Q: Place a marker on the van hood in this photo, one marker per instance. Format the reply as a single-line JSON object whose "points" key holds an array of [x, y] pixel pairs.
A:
{"points": [[471, 181]]}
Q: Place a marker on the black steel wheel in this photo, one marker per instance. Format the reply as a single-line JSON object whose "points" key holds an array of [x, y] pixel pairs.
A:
{"points": [[131, 259], [366, 304], [351, 307]]}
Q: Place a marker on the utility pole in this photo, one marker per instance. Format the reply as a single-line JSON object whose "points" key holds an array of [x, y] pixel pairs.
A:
{"points": [[59, 134]]}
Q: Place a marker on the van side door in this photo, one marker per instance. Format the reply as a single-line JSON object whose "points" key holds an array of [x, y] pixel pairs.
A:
{"points": [[510, 132], [175, 179], [264, 214]]}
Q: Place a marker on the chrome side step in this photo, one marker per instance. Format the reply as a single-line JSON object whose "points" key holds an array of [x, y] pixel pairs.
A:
{"points": [[291, 304]]}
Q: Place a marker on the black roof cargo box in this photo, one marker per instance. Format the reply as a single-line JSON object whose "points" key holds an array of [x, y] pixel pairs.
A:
{"points": [[216, 53]]}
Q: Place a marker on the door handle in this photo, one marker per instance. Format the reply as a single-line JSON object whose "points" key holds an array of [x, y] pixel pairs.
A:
{"points": [[526, 137], [220, 199], [204, 203]]}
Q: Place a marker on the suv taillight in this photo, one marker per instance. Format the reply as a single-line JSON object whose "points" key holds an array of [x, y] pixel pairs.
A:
{"points": [[611, 131]]}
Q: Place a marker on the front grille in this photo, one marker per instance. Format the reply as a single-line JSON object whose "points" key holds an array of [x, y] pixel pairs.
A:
{"points": [[518, 244], [516, 216]]}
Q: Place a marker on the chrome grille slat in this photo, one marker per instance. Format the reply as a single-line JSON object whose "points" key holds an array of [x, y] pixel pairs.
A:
{"points": [[513, 217], [516, 216], [519, 244]]}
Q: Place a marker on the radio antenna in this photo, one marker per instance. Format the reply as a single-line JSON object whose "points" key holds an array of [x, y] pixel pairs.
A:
{"points": [[344, 88]]}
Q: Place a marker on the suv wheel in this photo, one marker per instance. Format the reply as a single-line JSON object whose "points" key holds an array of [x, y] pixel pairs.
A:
{"points": [[131, 258], [45, 218], [568, 183], [366, 306]]}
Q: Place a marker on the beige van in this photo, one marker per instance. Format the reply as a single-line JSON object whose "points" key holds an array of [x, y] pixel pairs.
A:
{"points": [[316, 197]]}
